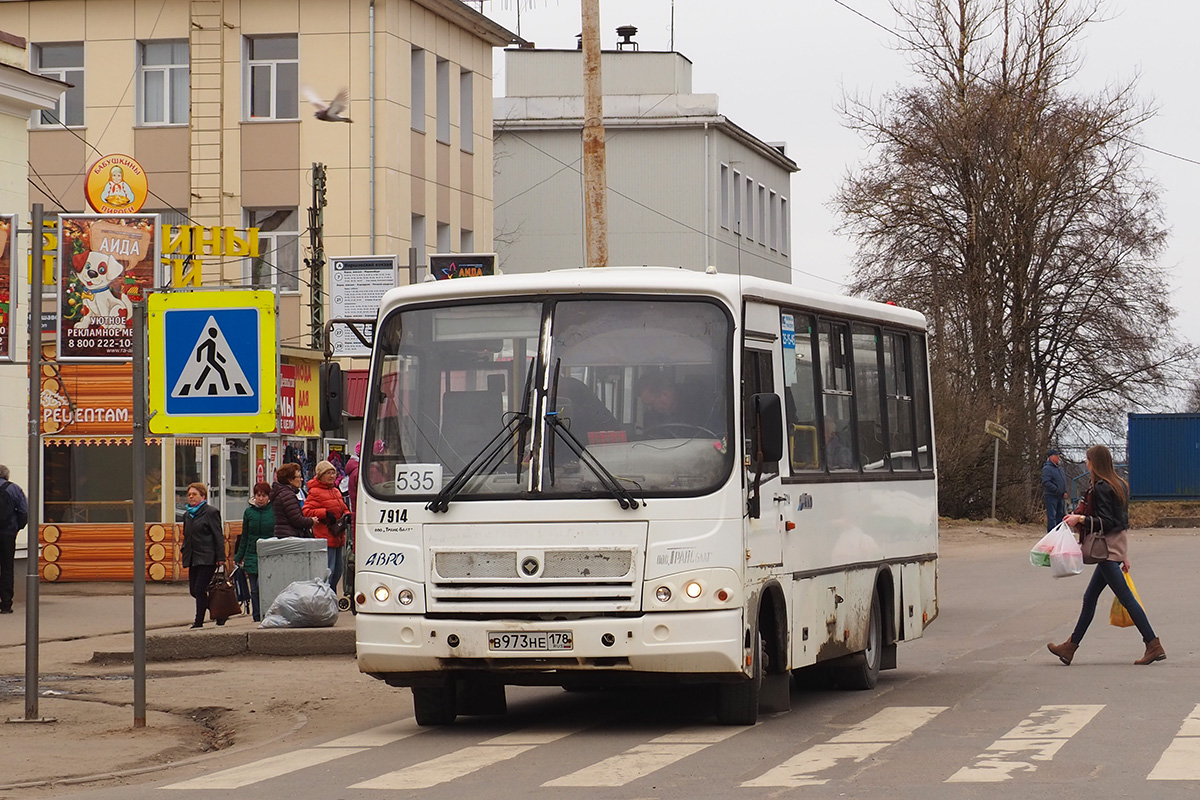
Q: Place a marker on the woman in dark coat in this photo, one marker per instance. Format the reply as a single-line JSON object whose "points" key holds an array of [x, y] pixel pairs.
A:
{"points": [[258, 522], [203, 547], [289, 518], [1106, 511]]}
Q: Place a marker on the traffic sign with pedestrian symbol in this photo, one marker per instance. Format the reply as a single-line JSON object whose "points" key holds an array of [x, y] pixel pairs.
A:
{"points": [[212, 362]]}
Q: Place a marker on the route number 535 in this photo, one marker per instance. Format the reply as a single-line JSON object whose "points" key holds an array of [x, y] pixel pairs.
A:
{"points": [[418, 478]]}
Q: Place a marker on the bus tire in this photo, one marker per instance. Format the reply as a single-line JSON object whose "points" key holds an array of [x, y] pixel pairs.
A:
{"points": [[435, 705], [737, 703], [862, 669]]}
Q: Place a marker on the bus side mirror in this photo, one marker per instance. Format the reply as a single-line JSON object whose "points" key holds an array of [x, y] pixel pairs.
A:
{"points": [[331, 395], [767, 429]]}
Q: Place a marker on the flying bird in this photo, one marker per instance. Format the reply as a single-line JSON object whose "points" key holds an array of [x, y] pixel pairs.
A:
{"points": [[331, 111]]}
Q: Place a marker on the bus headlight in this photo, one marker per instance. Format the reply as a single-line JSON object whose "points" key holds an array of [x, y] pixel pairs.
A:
{"points": [[693, 589], [382, 593], [404, 597], [663, 593]]}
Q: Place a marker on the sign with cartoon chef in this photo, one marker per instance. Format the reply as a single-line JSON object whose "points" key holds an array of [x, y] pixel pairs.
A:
{"points": [[116, 184], [107, 262]]}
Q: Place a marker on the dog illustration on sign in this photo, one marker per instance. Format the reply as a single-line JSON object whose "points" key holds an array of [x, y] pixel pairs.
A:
{"points": [[101, 275]]}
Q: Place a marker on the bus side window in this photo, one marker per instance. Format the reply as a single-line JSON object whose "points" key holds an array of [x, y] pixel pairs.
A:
{"points": [[799, 396]]}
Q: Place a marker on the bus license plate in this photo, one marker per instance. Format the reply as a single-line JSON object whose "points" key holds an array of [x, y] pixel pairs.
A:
{"points": [[530, 641]]}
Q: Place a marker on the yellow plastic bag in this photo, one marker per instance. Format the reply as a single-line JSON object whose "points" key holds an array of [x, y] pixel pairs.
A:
{"points": [[1118, 615]]}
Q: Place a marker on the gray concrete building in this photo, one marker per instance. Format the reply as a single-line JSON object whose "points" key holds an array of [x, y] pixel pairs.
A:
{"points": [[687, 186]]}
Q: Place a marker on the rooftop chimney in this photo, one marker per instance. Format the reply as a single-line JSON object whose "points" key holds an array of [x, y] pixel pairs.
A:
{"points": [[627, 32]]}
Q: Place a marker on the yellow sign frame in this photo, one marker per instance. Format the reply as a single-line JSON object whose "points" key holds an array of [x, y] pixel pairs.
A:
{"points": [[263, 420]]}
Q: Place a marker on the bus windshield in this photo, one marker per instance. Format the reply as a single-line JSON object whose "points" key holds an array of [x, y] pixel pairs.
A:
{"points": [[545, 398]]}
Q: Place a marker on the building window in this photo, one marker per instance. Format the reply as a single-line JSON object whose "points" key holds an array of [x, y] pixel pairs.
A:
{"points": [[466, 241], [748, 231], [163, 83], [272, 77], [737, 202], [783, 225], [418, 238], [774, 211], [443, 100], [762, 215], [63, 62], [418, 89], [278, 262], [725, 196], [443, 237], [466, 110]]}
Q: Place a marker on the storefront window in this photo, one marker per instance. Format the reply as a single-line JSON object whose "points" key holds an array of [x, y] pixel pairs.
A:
{"points": [[94, 483]]}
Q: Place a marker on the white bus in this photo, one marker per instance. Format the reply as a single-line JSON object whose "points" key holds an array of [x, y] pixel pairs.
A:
{"points": [[637, 475]]}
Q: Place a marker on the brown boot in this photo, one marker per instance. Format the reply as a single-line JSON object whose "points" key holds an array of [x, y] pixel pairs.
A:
{"points": [[1064, 651], [1154, 652]]}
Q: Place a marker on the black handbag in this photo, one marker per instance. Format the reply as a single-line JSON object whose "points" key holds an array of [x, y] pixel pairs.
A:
{"points": [[222, 598]]}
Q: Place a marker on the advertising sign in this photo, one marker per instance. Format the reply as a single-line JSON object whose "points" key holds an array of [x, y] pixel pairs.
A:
{"points": [[287, 399], [107, 263], [308, 397], [93, 400], [357, 286], [116, 184], [8, 282], [461, 265]]}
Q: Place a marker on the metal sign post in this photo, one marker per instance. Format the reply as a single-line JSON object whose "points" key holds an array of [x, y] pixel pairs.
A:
{"points": [[139, 514], [992, 428]]}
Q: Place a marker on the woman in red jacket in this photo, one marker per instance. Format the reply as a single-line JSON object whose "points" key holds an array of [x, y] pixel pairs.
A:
{"points": [[328, 511]]}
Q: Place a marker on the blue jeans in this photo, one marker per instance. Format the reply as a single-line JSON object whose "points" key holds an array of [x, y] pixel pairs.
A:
{"points": [[1109, 573], [1056, 509], [337, 564]]}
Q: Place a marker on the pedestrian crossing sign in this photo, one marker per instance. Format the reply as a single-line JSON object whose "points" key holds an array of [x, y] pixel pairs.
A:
{"points": [[212, 362]]}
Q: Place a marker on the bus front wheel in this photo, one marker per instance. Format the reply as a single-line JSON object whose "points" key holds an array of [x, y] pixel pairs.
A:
{"points": [[737, 703], [435, 705]]}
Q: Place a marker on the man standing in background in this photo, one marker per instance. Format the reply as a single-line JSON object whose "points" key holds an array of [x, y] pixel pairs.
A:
{"points": [[1054, 488], [14, 515]]}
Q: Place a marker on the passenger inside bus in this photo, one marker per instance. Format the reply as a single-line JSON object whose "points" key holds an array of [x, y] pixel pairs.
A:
{"points": [[586, 415]]}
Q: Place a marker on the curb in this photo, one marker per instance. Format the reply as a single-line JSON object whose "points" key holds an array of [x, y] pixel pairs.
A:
{"points": [[186, 645]]}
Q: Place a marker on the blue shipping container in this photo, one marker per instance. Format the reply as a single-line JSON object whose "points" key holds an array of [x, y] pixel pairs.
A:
{"points": [[1164, 456]]}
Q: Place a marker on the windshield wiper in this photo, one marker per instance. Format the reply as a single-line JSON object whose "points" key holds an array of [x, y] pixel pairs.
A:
{"points": [[520, 422], [606, 478]]}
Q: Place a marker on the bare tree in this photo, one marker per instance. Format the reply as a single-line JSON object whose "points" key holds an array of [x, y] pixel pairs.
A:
{"points": [[1016, 215]]}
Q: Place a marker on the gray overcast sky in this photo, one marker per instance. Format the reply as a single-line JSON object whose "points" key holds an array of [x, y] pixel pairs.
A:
{"points": [[779, 67]]}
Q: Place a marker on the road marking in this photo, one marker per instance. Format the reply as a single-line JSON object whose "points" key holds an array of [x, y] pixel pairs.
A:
{"points": [[855, 745], [272, 767], [1037, 738], [466, 760], [1181, 760], [640, 761], [378, 736]]}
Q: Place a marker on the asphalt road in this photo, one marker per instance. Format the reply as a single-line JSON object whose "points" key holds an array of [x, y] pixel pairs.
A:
{"points": [[977, 709]]}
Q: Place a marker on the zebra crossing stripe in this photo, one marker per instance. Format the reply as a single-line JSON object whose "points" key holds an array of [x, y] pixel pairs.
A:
{"points": [[273, 767], [466, 760], [1037, 738], [855, 745], [378, 736], [640, 761], [1181, 760]]}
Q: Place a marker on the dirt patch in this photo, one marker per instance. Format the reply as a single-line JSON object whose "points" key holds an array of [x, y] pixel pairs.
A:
{"points": [[1146, 514]]}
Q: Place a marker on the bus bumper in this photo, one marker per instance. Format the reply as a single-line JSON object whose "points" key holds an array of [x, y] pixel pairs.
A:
{"points": [[697, 642]]}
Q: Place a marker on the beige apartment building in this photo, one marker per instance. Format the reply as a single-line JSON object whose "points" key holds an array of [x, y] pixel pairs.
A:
{"points": [[211, 98]]}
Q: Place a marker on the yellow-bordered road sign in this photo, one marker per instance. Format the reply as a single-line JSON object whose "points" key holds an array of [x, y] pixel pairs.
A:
{"points": [[212, 362]]}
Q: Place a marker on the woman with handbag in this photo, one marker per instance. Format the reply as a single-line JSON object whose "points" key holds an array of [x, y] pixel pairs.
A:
{"points": [[1101, 521], [258, 522], [203, 547], [324, 504]]}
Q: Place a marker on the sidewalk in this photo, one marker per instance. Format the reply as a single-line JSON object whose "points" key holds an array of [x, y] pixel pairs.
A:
{"points": [[211, 689]]}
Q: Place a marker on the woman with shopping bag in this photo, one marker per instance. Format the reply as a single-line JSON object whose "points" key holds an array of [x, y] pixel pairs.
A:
{"points": [[1101, 523], [203, 547]]}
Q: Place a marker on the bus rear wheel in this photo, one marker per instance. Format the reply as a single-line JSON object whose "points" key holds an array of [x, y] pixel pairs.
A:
{"points": [[435, 705], [737, 703], [862, 669]]}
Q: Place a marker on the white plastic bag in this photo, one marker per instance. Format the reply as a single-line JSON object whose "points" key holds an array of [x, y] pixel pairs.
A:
{"points": [[1059, 551], [303, 604]]}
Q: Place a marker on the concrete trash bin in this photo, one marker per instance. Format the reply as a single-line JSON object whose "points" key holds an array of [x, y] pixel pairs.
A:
{"points": [[282, 561]]}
